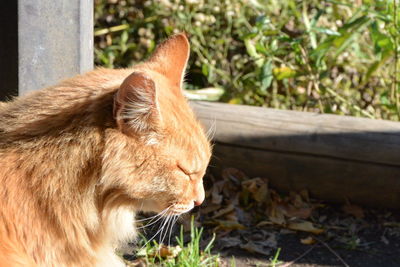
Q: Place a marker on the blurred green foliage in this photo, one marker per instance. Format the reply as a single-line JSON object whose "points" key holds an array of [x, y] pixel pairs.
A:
{"points": [[327, 56]]}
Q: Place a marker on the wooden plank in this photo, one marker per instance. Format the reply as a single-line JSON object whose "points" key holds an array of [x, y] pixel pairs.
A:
{"points": [[330, 179], [339, 137], [53, 41], [334, 157]]}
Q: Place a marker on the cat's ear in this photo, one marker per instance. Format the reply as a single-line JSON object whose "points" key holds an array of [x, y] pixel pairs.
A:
{"points": [[170, 58], [135, 105]]}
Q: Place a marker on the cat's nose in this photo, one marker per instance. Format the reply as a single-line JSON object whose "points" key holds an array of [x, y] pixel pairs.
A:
{"points": [[199, 194], [198, 202], [200, 197]]}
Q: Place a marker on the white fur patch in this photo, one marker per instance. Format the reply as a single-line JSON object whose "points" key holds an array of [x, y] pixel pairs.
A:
{"points": [[120, 226]]}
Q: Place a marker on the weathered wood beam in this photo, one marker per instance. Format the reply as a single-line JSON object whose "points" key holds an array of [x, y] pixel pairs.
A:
{"points": [[334, 157]]}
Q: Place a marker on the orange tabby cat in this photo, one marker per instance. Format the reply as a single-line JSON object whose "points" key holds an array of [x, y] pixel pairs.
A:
{"points": [[79, 158]]}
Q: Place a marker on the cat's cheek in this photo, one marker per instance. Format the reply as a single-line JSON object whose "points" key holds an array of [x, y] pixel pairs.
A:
{"points": [[149, 205]]}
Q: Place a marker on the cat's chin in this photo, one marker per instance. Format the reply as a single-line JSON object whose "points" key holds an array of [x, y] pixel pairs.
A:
{"points": [[180, 208], [172, 209]]}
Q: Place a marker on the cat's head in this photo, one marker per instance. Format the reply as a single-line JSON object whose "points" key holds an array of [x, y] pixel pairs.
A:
{"points": [[159, 152]]}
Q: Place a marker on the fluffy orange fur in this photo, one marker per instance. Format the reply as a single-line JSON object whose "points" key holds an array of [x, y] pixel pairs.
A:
{"points": [[78, 159]]}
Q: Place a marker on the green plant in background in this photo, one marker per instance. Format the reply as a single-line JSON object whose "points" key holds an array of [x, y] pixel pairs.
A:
{"points": [[183, 255], [326, 56]]}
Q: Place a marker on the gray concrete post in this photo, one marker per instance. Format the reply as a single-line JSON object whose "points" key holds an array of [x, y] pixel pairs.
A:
{"points": [[54, 41]]}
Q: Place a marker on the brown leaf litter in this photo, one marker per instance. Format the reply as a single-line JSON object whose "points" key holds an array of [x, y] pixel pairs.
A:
{"points": [[247, 215]]}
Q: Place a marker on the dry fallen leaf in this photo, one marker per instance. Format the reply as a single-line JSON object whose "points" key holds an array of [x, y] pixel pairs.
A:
{"points": [[305, 226], [135, 263], [209, 208], [224, 211], [384, 240], [304, 194], [291, 211], [254, 247], [308, 240], [234, 175], [216, 195], [232, 216], [276, 215], [162, 251], [258, 188], [229, 225], [264, 223], [296, 200], [169, 252], [354, 210], [229, 241]]}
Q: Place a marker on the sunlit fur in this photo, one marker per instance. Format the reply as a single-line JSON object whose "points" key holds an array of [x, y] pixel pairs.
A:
{"points": [[79, 158]]}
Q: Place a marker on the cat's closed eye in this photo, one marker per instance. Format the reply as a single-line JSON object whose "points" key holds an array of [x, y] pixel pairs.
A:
{"points": [[186, 171], [191, 173]]}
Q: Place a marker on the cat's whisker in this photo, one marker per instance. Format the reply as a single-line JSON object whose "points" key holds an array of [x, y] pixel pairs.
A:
{"points": [[168, 226], [212, 130], [165, 226], [167, 213], [162, 229], [170, 223], [160, 216], [141, 206], [171, 226], [152, 217], [215, 157], [166, 218], [151, 238], [150, 223], [176, 217]]}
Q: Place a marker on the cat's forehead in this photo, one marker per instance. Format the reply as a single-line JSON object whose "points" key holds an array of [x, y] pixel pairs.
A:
{"points": [[197, 149], [194, 161]]}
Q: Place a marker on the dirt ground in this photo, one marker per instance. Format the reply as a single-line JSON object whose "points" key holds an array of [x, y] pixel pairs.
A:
{"points": [[368, 242], [371, 241]]}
